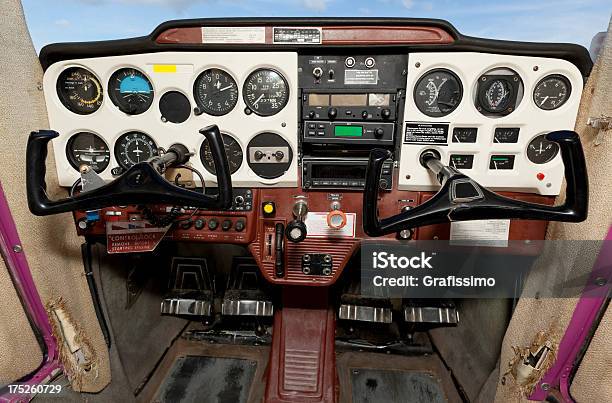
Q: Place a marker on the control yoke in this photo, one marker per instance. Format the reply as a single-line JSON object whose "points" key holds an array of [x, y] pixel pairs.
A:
{"points": [[143, 183], [461, 198]]}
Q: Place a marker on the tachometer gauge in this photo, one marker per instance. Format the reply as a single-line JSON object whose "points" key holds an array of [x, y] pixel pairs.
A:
{"points": [[552, 92], [86, 148], [232, 150], [265, 92], [134, 147], [79, 90], [215, 92], [131, 91], [438, 93], [541, 151]]}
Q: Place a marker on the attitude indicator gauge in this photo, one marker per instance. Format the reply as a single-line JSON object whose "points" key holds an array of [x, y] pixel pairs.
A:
{"points": [[232, 150], [131, 91], [79, 90], [265, 92], [552, 92], [89, 149], [438, 93], [134, 147], [215, 92], [541, 151]]}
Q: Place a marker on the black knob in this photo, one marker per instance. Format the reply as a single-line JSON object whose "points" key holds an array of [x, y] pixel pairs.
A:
{"points": [[199, 223], [239, 200], [258, 155], [240, 224], [296, 231], [383, 184], [317, 72], [226, 225], [385, 113], [332, 113], [186, 224], [279, 155], [311, 114], [379, 132], [213, 223], [364, 114]]}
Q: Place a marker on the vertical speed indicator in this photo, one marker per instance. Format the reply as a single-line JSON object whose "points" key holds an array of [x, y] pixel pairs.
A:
{"points": [[265, 92]]}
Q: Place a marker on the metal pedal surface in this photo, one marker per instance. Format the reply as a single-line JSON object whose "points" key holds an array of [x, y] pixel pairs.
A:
{"points": [[245, 307], [431, 314], [189, 307], [364, 313]]}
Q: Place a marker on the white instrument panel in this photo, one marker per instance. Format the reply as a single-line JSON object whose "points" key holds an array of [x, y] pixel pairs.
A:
{"points": [[110, 123], [545, 179]]}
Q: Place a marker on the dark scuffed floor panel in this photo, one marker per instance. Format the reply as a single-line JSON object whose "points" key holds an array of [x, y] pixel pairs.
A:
{"points": [[208, 380], [374, 386]]}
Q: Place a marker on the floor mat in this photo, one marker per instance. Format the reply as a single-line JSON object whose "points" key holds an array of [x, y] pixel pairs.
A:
{"points": [[373, 386], [208, 380]]}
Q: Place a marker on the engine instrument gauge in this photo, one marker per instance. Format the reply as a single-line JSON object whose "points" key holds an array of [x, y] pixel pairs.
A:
{"points": [[498, 94], [501, 162], [86, 148], [79, 90], [265, 92], [438, 93], [215, 92], [541, 151], [232, 150], [131, 91], [134, 147], [551, 92]]}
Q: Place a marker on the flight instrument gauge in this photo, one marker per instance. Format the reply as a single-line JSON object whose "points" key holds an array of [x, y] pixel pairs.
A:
{"points": [[131, 91], [552, 92], [215, 92], [541, 151], [232, 150], [86, 148], [134, 147], [438, 93], [265, 92], [79, 90]]}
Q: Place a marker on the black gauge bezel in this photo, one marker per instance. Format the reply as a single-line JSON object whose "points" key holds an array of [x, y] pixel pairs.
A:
{"points": [[205, 109], [560, 77], [247, 102], [485, 81], [543, 137], [121, 138], [209, 169], [66, 101], [427, 74], [116, 101], [69, 152]]}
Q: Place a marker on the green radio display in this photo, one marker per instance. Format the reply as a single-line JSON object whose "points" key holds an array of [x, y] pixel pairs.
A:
{"points": [[348, 131]]}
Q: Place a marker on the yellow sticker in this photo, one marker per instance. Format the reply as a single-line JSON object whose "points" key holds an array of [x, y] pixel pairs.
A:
{"points": [[164, 68]]}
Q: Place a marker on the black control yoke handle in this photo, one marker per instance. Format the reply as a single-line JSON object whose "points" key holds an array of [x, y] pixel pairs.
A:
{"points": [[461, 198], [141, 184]]}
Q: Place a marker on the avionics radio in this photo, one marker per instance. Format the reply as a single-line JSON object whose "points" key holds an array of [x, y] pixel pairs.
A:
{"points": [[341, 173], [359, 118]]}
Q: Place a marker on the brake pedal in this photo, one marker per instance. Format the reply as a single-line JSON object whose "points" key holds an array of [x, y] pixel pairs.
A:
{"points": [[446, 315], [191, 289], [246, 294]]}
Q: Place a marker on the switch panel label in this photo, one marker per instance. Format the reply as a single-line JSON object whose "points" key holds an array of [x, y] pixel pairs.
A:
{"points": [[426, 133], [360, 77], [316, 225], [480, 233]]}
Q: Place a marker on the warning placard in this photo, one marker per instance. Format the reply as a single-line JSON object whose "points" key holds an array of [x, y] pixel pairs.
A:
{"points": [[133, 236], [426, 133]]}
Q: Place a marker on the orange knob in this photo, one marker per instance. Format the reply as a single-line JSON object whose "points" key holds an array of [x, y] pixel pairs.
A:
{"points": [[336, 219]]}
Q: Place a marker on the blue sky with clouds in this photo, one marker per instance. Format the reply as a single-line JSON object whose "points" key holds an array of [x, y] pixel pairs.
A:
{"points": [[525, 20]]}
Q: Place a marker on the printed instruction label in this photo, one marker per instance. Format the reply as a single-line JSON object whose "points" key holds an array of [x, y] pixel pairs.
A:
{"points": [[292, 35], [233, 35], [133, 236], [316, 223], [480, 233], [360, 77], [426, 133]]}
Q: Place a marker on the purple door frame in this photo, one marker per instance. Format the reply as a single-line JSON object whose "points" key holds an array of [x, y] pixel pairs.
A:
{"points": [[17, 265], [585, 314]]}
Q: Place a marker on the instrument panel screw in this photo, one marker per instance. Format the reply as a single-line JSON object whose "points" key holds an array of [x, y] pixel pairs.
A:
{"points": [[545, 386], [39, 86], [283, 124], [17, 248], [417, 65], [535, 68], [408, 176]]}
